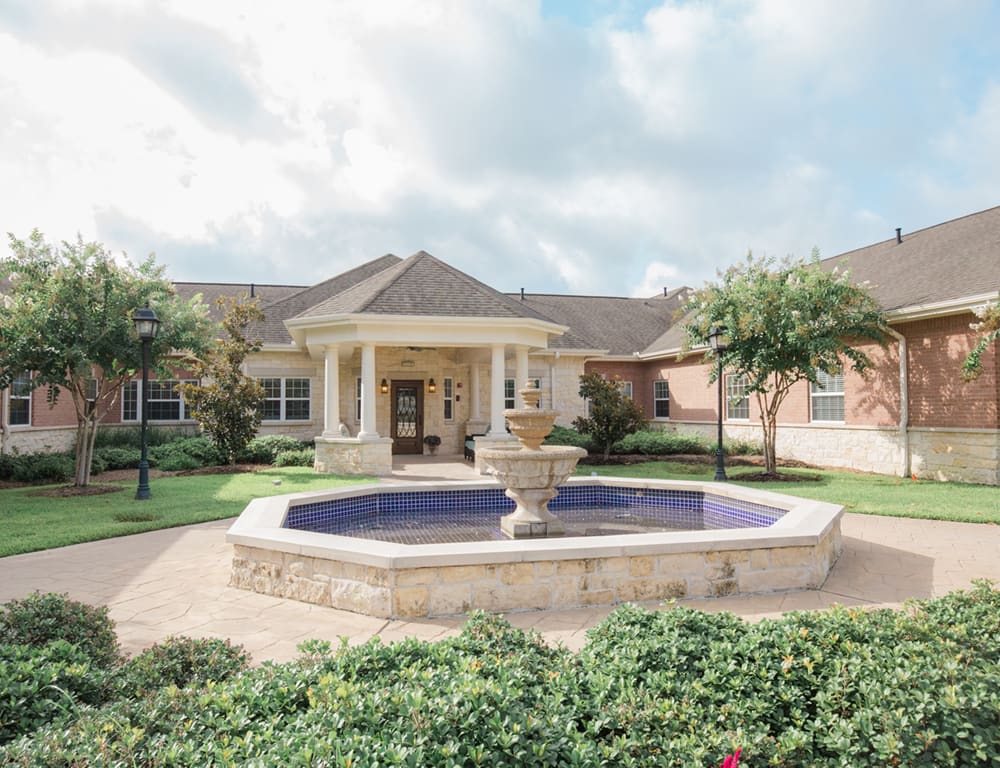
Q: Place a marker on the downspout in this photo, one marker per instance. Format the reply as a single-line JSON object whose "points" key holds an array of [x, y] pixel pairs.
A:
{"points": [[904, 401]]}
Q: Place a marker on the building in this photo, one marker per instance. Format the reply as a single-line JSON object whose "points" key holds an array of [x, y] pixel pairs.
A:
{"points": [[372, 361]]}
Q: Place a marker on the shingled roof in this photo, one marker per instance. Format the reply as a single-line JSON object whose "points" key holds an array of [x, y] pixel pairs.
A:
{"points": [[210, 292], [423, 285], [619, 325], [953, 260], [273, 331]]}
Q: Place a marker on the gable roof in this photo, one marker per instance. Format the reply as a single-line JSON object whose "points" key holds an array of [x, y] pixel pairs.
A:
{"points": [[619, 325], [949, 261], [423, 285], [273, 331]]}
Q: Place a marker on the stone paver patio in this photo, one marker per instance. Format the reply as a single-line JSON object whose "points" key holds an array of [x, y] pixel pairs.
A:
{"points": [[175, 582]]}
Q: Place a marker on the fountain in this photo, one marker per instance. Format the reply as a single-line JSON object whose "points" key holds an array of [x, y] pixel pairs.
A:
{"points": [[531, 473]]}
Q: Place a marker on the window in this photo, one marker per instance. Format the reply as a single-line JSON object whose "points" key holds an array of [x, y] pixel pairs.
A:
{"points": [[357, 399], [20, 400], [449, 398], [165, 402], [509, 392], [661, 400], [627, 389], [285, 399], [737, 401], [826, 397]]}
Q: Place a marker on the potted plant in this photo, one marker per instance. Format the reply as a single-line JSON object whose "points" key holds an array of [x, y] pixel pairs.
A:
{"points": [[432, 442]]}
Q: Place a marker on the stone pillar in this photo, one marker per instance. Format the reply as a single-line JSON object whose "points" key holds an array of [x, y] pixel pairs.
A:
{"points": [[474, 386], [520, 374], [498, 427], [331, 389], [368, 430]]}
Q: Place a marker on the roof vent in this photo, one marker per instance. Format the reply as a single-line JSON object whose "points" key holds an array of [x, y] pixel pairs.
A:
{"points": [[664, 290], [522, 294], [251, 290], [899, 235]]}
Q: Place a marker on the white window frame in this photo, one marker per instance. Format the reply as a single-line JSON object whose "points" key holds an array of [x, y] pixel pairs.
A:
{"points": [[737, 385], [283, 398], [357, 400], [626, 388], [448, 398], [509, 386], [657, 400], [136, 386], [829, 388], [20, 391]]}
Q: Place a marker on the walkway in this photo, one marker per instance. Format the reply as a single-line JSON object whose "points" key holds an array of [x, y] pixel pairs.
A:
{"points": [[174, 582]]}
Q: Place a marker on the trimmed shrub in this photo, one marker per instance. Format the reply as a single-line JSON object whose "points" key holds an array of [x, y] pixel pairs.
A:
{"points": [[40, 619], [742, 447], [182, 661], [302, 458], [37, 468], [655, 443], [265, 449], [118, 458], [131, 437], [189, 453], [568, 436]]}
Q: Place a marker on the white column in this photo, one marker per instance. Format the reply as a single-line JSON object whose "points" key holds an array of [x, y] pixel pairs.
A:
{"points": [[368, 431], [474, 386], [520, 374], [497, 426], [331, 390]]}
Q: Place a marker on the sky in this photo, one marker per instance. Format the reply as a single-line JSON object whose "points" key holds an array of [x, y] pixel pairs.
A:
{"points": [[612, 147]]}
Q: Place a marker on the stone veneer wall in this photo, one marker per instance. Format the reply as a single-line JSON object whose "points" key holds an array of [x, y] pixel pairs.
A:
{"points": [[961, 455], [350, 456], [543, 584]]}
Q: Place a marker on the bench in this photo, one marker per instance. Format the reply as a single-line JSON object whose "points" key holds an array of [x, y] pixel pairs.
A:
{"points": [[470, 447]]}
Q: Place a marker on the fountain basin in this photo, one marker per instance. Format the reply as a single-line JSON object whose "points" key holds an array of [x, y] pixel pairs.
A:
{"points": [[394, 580]]}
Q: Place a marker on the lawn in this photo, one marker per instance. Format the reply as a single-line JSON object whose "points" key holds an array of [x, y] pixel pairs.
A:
{"points": [[31, 523], [857, 492]]}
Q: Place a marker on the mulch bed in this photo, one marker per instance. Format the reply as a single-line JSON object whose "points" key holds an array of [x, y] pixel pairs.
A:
{"points": [[71, 490]]}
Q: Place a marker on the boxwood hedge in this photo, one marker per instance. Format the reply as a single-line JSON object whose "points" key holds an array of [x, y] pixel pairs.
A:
{"points": [[847, 687]]}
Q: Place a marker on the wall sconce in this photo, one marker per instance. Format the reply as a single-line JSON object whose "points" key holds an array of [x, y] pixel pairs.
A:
{"points": [[431, 386], [385, 387]]}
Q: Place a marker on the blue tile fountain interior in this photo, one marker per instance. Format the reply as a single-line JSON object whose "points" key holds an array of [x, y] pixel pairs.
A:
{"points": [[435, 517]]}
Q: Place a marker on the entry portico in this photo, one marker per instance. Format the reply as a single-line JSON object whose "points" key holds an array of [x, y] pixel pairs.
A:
{"points": [[404, 348]]}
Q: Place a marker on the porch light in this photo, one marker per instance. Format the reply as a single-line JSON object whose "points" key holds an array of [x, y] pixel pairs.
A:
{"points": [[384, 387], [431, 386]]}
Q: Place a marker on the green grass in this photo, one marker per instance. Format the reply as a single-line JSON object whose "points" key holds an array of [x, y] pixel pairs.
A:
{"points": [[862, 493], [31, 523]]}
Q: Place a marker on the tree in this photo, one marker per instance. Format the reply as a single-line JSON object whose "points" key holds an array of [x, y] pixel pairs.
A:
{"points": [[989, 327], [67, 318], [613, 414], [229, 406], [785, 322]]}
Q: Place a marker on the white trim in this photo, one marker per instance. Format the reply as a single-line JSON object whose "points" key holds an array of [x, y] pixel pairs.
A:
{"points": [[941, 308]]}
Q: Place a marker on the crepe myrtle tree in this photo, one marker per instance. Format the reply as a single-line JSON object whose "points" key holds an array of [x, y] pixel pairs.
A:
{"points": [[66, 317], [989, 327], [612, 413], [786, 320], [228, 403]]}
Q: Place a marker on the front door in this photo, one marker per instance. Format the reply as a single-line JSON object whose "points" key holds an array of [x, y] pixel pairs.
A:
{"points": [[407, 417]]}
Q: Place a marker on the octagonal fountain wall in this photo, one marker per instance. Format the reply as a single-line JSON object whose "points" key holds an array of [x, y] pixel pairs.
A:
{"points": [[784, 543]]}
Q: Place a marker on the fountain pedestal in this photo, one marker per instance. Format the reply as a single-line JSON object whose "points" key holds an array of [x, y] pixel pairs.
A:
{"points": [[531, 473]]}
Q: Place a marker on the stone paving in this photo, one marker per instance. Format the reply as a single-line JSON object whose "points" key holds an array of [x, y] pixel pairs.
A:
{"points": [[175, 582]]}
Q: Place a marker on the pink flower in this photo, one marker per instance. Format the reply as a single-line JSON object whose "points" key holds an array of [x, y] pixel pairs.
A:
{"points": [[732, 761]]}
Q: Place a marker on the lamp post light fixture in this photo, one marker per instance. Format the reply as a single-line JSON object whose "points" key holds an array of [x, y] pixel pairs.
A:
{"points": [[146, 325], [717, 340]]}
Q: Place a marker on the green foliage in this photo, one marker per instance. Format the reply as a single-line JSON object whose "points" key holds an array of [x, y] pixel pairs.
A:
{"points": [[660, 443], [117, 458], [68, 319], [732, 447], [131, 437], [846, 687], [567, 436], [45, 684], [229, 406], [305, 457], [188, 453], [613, 415], [784, 322], [989, 327], [36, 468], [265, 449], [40, 619], [181, 661]]}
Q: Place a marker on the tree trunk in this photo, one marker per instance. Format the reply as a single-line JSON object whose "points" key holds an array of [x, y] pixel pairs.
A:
{"points": [[769, 424], [86, 433]]}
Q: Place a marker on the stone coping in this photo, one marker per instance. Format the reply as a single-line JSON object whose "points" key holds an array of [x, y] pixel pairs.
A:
{"points": [[804, 523]]}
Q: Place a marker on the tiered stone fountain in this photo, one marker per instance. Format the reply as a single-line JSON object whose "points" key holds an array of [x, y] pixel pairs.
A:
{"points": [[532, 472]]}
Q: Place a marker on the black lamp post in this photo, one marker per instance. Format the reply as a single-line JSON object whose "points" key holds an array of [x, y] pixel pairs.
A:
{"points": [[716, 338], [146, 325]]}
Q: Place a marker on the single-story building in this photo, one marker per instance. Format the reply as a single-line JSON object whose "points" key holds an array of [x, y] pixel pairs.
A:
{"points": [[372, 361]]}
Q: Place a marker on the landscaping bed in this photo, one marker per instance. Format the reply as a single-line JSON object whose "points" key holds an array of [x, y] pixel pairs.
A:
{"points": [[845, 687]]}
